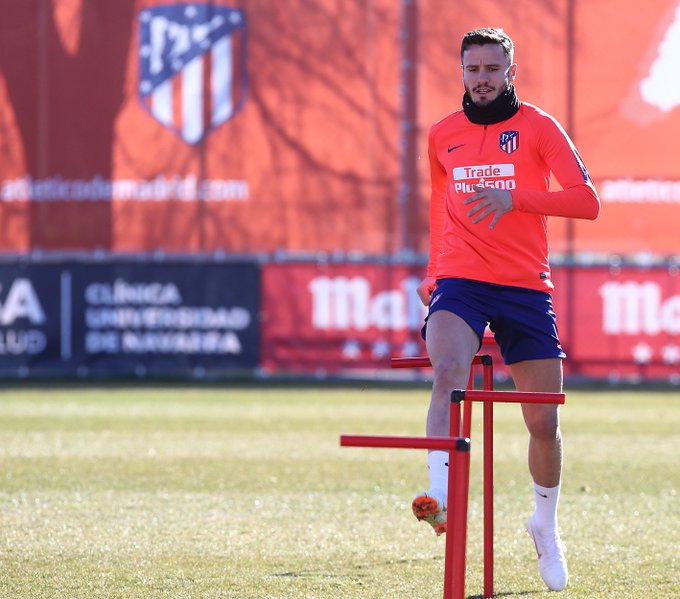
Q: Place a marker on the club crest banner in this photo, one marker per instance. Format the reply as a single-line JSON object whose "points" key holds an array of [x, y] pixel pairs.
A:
{"points": [[192, 75]]}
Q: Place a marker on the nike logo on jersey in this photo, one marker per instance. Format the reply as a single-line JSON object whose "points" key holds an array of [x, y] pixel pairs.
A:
{"points": [[452, 148]]}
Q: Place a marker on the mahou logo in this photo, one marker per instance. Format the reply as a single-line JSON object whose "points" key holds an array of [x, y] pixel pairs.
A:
{"points": [[345, 303], [634, 308]]}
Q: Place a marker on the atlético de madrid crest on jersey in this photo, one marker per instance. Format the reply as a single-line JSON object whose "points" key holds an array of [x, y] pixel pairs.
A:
{"points": [[192, 75], [508, 141]]}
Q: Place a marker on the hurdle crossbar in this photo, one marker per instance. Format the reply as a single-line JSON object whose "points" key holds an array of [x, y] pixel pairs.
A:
{"points": [[487, 395], [445, 443], [424, 361]]}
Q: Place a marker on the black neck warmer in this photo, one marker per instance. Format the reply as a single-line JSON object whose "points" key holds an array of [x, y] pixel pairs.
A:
{"points": [[500, 109]]}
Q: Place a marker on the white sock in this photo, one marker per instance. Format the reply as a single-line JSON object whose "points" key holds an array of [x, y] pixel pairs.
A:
{"points": [[438, 469], [546, 499]]}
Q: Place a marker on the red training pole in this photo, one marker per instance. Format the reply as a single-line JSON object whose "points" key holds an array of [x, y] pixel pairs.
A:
{"points": [[451, 522], [445, 443], [457, 510], [460, 515], [487, 384], [454, 556], [420, 362], [415, 362], [515, 396]]}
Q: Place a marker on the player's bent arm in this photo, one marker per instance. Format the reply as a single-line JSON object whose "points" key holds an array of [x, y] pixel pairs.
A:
{"points": [[580, 201], [578, 198]]}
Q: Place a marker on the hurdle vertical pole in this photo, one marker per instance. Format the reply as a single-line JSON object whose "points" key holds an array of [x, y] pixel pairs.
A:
{"points": [[458, 491], [451, 523], [487, 385], [465, 431]]}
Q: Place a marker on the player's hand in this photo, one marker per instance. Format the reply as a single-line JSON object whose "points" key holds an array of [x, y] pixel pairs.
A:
{"points": [[425, 289], [488, 201]]}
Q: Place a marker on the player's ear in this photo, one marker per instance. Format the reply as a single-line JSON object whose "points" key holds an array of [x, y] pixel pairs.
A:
{"points": [[512, 72]]}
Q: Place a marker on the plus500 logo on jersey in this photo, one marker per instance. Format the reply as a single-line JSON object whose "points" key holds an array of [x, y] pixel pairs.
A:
{"points": [[500, 176]]}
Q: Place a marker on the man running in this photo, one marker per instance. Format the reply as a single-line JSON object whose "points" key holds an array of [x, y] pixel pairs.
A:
{"points": [[490, 166]]}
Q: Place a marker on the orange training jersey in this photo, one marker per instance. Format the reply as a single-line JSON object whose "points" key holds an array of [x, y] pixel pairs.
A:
{"points": [[517, 154]]}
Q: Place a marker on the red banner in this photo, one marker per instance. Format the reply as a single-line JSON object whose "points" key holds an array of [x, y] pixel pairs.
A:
{"points": [[242, 126], [334, 318], [215, 125], [337, 317], [628, 135], [625, 322]]}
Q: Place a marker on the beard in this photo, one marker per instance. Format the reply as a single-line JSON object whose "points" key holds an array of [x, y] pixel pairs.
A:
{"points": [[486, 100], [492, 110]]}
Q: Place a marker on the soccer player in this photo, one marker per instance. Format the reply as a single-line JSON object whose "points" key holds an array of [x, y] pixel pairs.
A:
{"points": [[490, 166]]}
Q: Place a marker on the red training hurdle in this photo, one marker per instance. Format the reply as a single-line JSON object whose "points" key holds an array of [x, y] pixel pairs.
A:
{"points": [[458, 445]]}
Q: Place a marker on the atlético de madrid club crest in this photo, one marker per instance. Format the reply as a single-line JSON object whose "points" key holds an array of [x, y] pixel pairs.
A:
{"points": [[192, 75], [508, 141]]}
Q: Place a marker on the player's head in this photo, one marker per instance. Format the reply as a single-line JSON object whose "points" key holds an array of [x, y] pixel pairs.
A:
{"points": [[486, 56]]}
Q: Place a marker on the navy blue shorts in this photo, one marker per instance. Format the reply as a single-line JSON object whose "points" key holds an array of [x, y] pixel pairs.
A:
{"points": [[522, 320]]}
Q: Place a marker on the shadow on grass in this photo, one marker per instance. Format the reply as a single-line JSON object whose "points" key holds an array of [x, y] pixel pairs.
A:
{"points": [[319, 574], [506, 594], [355, 572]]}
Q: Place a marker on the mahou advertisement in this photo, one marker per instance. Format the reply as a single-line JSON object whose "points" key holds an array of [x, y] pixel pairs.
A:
{"points": [[339, 317], [336, 318], [625, 323]]}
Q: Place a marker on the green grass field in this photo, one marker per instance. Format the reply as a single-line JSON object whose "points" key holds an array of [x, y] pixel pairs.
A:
{"points": [[245, 493]]}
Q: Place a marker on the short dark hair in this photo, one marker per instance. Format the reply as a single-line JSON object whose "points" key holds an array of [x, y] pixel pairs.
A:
{"points": [[488, 35]]}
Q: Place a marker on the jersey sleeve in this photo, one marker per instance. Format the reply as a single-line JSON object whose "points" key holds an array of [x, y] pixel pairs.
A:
{"points": [[437, 205], [578, 198]]}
